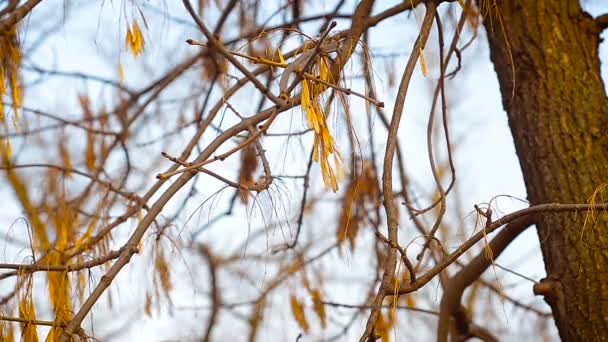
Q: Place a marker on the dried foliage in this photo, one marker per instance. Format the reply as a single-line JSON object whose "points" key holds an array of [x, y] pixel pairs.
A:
{"points": [[298, 313], [10, 61], [272, 100], [360, 195], [249, 164]]}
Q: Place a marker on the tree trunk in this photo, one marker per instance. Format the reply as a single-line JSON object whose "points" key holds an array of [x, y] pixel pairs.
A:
{"points": [[549, 74]]}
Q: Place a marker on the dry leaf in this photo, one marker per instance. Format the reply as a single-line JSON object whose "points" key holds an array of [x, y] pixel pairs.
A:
{"points": [[319, 307], [298, 313], [249, 164]]}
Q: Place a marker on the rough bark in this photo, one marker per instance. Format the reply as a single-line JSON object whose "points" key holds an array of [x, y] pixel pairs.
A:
{"points": [[549, 74]]}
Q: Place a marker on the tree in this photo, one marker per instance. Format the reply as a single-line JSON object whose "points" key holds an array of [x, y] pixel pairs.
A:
{"points": [[170, 165], [563, 154]]}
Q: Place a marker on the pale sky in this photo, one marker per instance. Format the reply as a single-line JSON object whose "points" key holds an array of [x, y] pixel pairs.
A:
{"points": [[88, 41]]}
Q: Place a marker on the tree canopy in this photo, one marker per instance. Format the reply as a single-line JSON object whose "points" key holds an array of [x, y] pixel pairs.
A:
{"points": [[303, 170]]}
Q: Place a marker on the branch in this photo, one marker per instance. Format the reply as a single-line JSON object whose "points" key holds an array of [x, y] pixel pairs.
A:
{"points": [[456, 285], [130, 247], [68, 170], [541, 208], [387, 176], [30, 321], [602, 22], [24, 268], [367, 306], [215, 43], [18, 14], [215, 295]]}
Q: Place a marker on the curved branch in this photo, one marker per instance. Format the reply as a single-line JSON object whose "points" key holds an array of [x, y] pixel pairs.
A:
{"points": [[457, 284], [18, 14], [20, 269], [215, 295], [387, 176], [450, 259], [602, 22]]}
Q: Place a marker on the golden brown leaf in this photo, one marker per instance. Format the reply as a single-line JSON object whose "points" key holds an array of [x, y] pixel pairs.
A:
{"points": [[249, 163], [28, 312], [382, 328], [10, 61], [134, 40], [298, 313], [362, 190], [65, 157], [6, 332], [162, 270], [121, 73], [422, 62], [90, 145], [319, 307], [148, 305]]}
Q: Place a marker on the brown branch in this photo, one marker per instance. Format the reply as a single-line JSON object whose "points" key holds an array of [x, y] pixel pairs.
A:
{"points": [[18, 14], [440, 89], [217, 45], [602, 22], [451, 258], [303, 202], [403, 253], [31, 321], [216, 300], [361, 18], [368, 306], [130, 247], [12, 4], [80, 75], [184, 155], [387, 176], [222, 20], [31, 268], [346, 91], [457, 284]]}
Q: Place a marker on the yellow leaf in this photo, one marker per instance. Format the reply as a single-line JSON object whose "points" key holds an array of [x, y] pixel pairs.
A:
{"points": [[59, 290], [338, 164], [2, 85], [87, 234], [326, 141], [8, 149], [325, 172], [134, 39], [121, 73], [382, 328], [315, 153], [90, 153], [6, 335], [298, 313], [411, 301], [27, 312], [422, 62], [323, 70], [162, 269], [281, 58], [319, 306], [16, 94], [305, 97], [65, 157], [2, 91], [82, 283], [148, 305]]}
